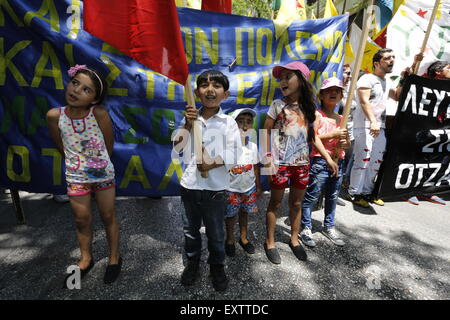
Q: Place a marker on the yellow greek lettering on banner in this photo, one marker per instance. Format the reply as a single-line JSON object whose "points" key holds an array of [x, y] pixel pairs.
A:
{"points": [[242, 84], [188, 43], [23, 154], [5, 5], [262, 33], [150, 84], [57, 164], [283, 43], [135, 165], [48, 6], [239, 32], [54, 72], [174, 167], [6, 62], [115, 72], [211, 48]]}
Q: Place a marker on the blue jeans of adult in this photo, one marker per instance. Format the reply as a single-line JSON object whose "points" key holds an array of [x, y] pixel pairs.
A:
{"points": [[209, 207], [320, 179]]}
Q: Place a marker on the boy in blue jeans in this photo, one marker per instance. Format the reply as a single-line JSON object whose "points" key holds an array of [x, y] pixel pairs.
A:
{"points": [[204, 197]]}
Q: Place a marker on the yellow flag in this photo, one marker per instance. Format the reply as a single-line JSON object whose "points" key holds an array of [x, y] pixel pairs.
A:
{"points": [[349, 54], [330, 10], [369, 51], [290, 10], [194, 4]]}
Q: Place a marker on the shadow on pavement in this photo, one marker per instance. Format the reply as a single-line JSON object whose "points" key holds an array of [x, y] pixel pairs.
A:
{"points": [[374, 264]]}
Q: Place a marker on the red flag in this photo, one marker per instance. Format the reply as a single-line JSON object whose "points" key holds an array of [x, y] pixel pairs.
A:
{"points": [[148, 31], [224, 6], [381, 40]]}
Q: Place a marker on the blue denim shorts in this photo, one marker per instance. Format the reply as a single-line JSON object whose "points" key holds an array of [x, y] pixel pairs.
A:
{"points": [[237, 201]]}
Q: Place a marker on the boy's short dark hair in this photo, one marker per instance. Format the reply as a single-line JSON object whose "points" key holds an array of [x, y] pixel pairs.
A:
{"points": [[214, 75], [378, 55], [436, 67]]}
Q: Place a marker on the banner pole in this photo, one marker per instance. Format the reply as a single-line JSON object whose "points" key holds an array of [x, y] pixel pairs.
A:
{"points": [[318, 9], [355, 72], [20, 215], [196, 126], [427, 34]]}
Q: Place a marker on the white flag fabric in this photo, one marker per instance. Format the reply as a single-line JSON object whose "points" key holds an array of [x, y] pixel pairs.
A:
{"points": [[405, 35], [424, 8]]}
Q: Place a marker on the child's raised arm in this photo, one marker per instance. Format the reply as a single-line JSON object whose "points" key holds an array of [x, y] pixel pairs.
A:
{"points": [[52, 121], [105, 124]]}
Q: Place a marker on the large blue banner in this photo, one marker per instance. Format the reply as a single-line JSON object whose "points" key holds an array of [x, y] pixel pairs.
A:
{"points": [[41, 39]]}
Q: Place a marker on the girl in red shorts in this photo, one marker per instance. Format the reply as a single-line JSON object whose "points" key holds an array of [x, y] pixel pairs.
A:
{"points": [[83, 134], [293, 117]]}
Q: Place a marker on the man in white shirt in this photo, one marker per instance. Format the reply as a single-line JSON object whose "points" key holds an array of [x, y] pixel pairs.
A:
{"points": [[373, 91]]}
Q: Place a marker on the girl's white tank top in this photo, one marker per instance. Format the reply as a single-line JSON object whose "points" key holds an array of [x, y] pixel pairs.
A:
{"points": [[87, 159]]}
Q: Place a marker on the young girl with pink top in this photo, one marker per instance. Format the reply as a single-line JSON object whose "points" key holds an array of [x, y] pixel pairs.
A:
{"points": [[320, 177], [83, 134]]}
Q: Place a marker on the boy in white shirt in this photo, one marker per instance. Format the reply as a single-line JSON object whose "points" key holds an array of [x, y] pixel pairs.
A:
{"points": [[204, 197], [245, 186]]}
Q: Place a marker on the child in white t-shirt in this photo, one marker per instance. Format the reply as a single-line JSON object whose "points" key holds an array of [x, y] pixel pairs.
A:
{"points": [[245, 186]]}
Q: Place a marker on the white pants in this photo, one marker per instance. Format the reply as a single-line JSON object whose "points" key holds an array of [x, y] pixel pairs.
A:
{"points": [[368, 152]]}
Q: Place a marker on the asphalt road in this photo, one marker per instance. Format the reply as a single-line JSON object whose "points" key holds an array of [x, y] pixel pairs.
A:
{"points": [[399, 251]]}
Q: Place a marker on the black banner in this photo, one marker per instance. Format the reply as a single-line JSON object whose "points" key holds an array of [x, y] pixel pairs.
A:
{"points": [[418, 150]]}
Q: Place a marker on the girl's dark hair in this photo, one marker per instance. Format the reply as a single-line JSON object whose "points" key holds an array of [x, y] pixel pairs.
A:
{"points": [[213, 75], [307, 104], [435, 67], [101, 92]]}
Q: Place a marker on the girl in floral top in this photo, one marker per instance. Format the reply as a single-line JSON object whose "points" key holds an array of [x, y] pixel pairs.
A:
{"points": [[83, 134]]}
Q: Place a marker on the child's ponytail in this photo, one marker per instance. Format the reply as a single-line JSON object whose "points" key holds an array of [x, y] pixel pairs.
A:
{"points": [[307, 103]]}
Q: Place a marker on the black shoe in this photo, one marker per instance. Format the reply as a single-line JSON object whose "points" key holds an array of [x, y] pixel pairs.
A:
{"points": [[219, 278], [112, 272], [190, 273], [272, 255], [343, 193], [230, 249], [248, 247], [299, 252], [83, 273]]}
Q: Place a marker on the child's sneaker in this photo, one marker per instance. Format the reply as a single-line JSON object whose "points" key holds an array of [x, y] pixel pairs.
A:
{"points": [[331, 234], [360, 201], [306, 237]]}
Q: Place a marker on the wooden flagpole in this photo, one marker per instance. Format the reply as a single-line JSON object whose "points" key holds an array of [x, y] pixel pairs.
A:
{"points": [[196, 126], [355, 71], [427, 34]]}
